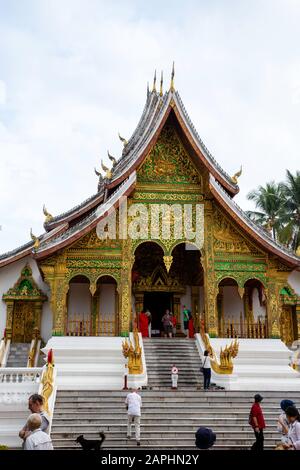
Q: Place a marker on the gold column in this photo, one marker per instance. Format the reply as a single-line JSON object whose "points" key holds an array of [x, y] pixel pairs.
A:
{"points": [[273, 311], [210, 287], [298, 320], [125, 288], [9, 318], [220, 309], [38, 307], [177, 313], [55, 276], [195, 290]]}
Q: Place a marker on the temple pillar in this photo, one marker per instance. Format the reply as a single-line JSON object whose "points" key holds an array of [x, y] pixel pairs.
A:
{"points": [[210, 287], [195, 290], [125, 320], [273, 311], [38, 307], [177, 313], [298, 321], [9, 318], [55, 276], [220, 310]]}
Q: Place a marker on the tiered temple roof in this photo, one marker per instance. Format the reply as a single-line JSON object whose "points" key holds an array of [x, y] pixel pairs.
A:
{"points": [[68, 227]]}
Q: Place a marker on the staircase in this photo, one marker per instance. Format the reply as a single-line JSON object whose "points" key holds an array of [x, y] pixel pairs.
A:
{"points": [[18, 355], [162, 353], [169, 418]]}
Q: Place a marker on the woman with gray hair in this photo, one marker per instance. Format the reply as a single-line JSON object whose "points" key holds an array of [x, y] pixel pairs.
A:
{"points": [[38, 439]]}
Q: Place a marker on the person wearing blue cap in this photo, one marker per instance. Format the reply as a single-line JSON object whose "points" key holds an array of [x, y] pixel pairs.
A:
{"points": [[205, 438], [283, 424]]}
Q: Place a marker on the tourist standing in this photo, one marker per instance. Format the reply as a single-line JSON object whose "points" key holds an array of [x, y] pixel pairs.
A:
{"points": [[148, 313], [35, 405], [293, 418], [38, 439], [167, 324], [174, 323], [186, 318], [133, 404], [191, 326], [257, 421], [174, 374], [283, 423], [206, 369]]}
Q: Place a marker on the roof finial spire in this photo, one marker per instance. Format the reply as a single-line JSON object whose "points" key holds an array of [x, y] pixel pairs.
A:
{"points": [[148, 89], [154, 82], [161, 84], [172, 89]]}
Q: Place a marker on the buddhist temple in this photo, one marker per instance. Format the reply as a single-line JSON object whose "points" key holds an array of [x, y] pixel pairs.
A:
{"points": [[233, 276]]}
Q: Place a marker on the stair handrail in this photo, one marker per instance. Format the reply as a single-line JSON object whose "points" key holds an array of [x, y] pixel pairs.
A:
{"points": [[225, 366], [48, 387], [5, 342]]}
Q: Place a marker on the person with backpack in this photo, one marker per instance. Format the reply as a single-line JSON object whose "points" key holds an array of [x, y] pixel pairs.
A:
{"points": [[206, 369], [257, 421]]}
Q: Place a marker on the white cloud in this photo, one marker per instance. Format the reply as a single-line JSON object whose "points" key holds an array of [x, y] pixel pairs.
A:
{"points": [[76, 73], [2, 92]]}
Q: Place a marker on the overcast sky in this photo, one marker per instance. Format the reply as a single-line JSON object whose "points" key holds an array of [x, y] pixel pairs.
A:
{"points": [[74, 72]]}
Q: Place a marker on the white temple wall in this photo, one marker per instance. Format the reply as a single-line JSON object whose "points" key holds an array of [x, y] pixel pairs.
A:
{"points": [[294, 281], [8, 277], [107, 304], [79, 302], [233, 304]]}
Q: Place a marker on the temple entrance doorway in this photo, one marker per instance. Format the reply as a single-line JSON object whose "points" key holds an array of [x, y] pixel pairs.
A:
{"points": [[157, 303]]}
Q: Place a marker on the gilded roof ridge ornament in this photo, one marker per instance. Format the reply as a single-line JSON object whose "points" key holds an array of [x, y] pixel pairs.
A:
{"points": [[161, 84], [108, 173], [122, 139], [112, 159], [235, 177], [48, 216], [154, 83], [172, 88], [35, 239]]}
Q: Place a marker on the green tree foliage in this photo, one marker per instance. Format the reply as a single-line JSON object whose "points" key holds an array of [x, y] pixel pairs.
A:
{"points": [[278, 209]]}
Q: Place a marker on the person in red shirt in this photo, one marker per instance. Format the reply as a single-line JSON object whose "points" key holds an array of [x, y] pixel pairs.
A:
{"points": [[143, 325], [257, 421]]}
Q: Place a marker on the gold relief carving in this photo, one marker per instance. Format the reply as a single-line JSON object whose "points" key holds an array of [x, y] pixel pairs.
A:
{"points": [[133, 352], [227, 238], [168, 162], [166, 196], [286, 325], [91, 240], [93, 288], [241, 291], [168, 260]]}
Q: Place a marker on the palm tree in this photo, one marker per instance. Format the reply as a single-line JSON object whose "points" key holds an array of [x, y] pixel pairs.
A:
{"points": [[291, 216], [269, 200]]}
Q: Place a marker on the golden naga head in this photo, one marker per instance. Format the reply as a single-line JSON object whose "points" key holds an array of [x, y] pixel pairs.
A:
{"points": [[234, 178], [48, 216], [35, 239]]}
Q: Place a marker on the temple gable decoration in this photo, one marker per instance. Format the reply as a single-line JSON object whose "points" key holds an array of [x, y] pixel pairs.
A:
{"points": [[168, 162]]}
